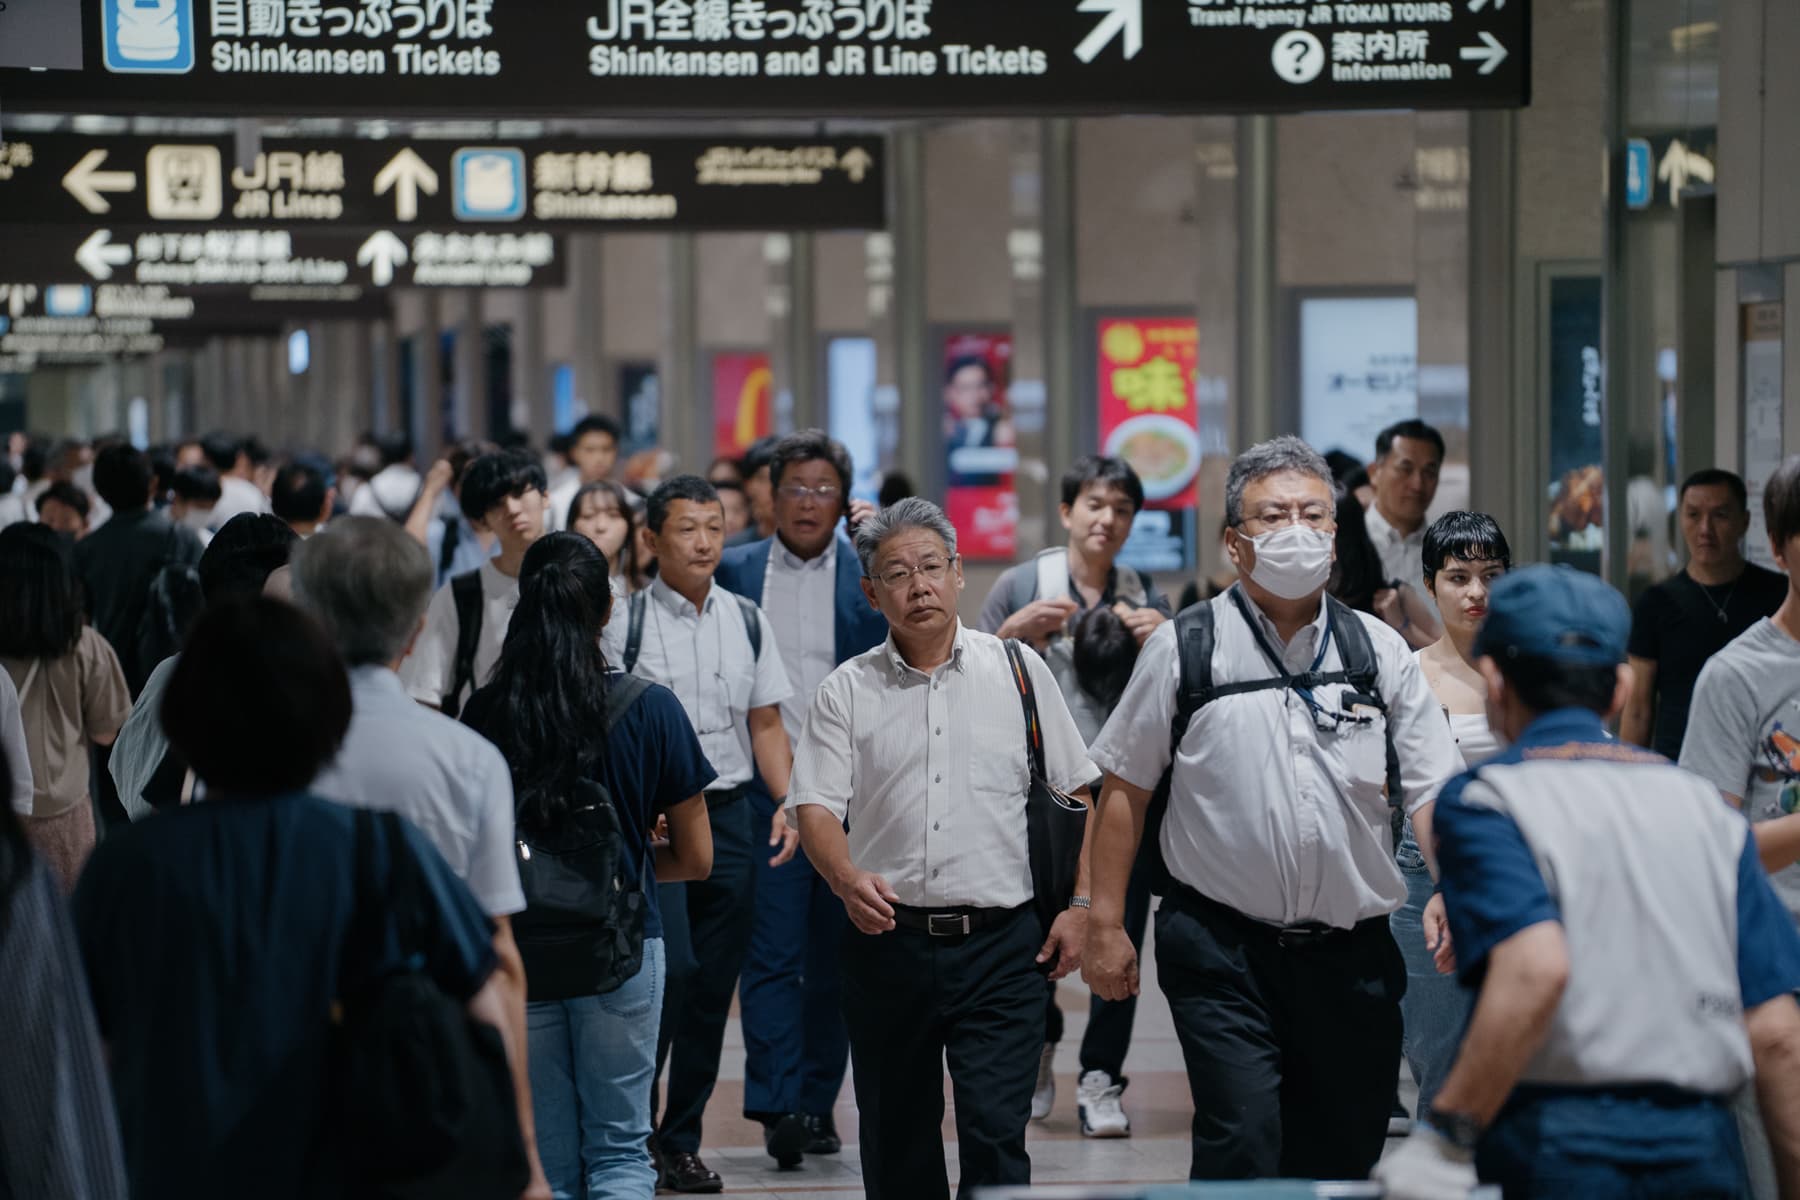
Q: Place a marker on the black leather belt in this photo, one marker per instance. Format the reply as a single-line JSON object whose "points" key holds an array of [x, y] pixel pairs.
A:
{"points": [[952, 922], [724, 796], [1307, 935]]}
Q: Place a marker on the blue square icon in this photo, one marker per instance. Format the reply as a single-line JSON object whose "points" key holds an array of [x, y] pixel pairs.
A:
{"points": [[1640, 174], [68, 300], [147, 37], [487, 183]]}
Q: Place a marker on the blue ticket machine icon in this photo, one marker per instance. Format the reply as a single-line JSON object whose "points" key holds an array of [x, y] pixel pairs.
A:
{"points": [[488, 183], [151, 37]]}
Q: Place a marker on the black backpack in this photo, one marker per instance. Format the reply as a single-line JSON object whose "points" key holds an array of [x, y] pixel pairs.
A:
{"points": [[465, 589], [582, 931], [1194, 690], [634, 629], [423, 1095], [172, 602]]}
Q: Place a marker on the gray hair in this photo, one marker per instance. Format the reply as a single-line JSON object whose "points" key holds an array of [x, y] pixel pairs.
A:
{"points": [[368, 583], [910, 513], [1285, 453]]}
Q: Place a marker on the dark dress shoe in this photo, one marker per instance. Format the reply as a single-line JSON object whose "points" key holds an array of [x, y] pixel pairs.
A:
{"points": [[656, 1160], [823, 1135], [786, 1138], [684, 1172]]}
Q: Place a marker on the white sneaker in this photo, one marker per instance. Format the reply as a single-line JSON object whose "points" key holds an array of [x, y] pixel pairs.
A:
{"points": [[1044, 1099], [1097, 1103]]}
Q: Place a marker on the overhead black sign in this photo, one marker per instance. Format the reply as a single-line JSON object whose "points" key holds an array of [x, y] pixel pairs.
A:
{"points": [[230, 257], [208, 308], [664, 183], [811, 57]]}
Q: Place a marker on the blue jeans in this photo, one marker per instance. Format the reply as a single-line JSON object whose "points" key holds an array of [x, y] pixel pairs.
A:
{"points": [[1435, 1008], [591, 1062]]}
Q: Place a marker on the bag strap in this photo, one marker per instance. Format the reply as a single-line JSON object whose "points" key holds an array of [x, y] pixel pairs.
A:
{"points": [[621, 694], [447, 545], [465, 590], [634, 629], [1025, 584], [752, 625], [1194, 637], [1357, 651], [1034, 732], [31, 674]]}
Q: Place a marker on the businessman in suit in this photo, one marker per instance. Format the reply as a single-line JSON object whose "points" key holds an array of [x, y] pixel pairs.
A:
{"points": [[808, 581]]}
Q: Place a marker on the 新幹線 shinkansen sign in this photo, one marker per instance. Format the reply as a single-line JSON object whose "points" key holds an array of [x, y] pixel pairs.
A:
{"points": [[749, 57]]}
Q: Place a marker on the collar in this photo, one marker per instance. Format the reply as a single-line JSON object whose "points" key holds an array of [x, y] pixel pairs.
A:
{"points": [[1316, 626], [377, 679], [679, 604], [1563, 726], [902, 668], [790, 561], [1109, 594], [1379, 527]]}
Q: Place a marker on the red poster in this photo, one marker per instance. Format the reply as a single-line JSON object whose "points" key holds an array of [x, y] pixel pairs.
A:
{"points": [[980, 449], [1148, 417], [743, 401]]}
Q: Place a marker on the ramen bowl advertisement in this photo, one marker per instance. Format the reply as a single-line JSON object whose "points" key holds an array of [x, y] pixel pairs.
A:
{"points": [[1148, 417]]}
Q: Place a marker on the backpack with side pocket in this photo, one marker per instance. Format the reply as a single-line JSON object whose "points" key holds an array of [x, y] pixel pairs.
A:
{"points": [[465, 590], [582, 931], [634, 629], [1194, 690]]}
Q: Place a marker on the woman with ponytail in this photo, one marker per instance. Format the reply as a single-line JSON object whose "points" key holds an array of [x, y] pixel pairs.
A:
{"points": [[596, 759]]}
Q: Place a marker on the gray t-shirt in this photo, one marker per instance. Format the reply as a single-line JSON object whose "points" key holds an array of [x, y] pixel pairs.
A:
{"points": [[1743, 733]]}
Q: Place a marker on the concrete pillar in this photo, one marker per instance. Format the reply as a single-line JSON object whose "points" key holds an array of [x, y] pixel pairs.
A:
{"points": [[1256, 276], [685, 426], [1028, 394]]}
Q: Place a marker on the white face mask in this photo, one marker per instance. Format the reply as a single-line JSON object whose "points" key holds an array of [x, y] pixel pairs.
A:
{"points": [[1292, 562]]}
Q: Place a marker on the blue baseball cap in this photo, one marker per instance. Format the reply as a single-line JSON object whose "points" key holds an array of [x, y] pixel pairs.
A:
{"points": [[1557, 614]]}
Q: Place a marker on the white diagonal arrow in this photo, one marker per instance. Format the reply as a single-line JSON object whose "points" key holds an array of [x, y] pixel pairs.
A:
{"points": [[1490, 55], [406, 173], [98, 256], [1476, 6], [85, 181], [856, 164], [381, 253], [1122, 16]]}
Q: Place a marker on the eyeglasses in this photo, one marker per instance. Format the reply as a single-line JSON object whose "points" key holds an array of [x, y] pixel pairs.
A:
{"points": [[932, 569], [1313, 516], [800, 494]]}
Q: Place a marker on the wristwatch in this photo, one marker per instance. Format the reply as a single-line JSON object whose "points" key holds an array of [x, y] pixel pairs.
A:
{"points": [[1080, 902], [1459, 1129]]}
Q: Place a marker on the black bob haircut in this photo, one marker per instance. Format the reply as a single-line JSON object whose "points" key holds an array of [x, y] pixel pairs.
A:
{"points": [[1106, 471], [299, 492], [758, 455], [66, 494], [243, 554], [1412, 429], [1544, 685], [1467, 536], [394, 448], [196, 483], [40, 596], [1718, 477], [259, 700], [222, 450], [122, 477], [595, 423], [681, 487], [812, 445], [491, 478]]}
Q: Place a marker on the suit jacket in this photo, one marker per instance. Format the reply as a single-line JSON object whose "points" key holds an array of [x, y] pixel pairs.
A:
{"points": [[856, 628]]}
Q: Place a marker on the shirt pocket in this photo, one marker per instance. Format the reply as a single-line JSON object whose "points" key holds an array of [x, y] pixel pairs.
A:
{"points": [[1362, 753], [997, 754]]}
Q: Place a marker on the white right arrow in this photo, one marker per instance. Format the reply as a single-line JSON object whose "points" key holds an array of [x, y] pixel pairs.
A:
{"points": [[98, 256], [406, 173], [1122, 16], [85, 181], [1476, 6], [1490, 55], [381, 253]]}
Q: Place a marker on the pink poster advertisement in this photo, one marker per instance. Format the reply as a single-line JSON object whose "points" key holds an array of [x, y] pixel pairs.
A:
{"points": [[980, 451]]}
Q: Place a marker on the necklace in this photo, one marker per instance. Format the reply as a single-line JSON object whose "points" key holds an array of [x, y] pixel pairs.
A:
{"points": [[1724, 618]]}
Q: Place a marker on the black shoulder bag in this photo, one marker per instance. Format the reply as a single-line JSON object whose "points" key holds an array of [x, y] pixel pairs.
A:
{"points": [[1055, 824]]}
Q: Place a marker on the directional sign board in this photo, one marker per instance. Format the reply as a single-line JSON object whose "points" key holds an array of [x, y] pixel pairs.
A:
{"points": [[208, 308], [231, 257], [663, 183], [809, 57]]}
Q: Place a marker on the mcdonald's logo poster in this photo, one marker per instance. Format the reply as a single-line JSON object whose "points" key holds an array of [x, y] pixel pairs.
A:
{"points": [[743, 400]]}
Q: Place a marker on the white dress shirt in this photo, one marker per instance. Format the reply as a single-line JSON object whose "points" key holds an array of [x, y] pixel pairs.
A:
{"points": [[703, 655], [430, 669], [931, 771], [439, 774], [1268, 814], [1402, 554], [800, 598], [236, 496]]}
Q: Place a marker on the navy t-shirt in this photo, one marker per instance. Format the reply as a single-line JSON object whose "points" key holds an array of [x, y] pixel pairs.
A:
{"points": [[213, 938], [652, 762]]}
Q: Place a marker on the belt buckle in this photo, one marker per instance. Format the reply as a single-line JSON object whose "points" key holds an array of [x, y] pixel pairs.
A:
{"points": [[947, 924], [1299, 937]]}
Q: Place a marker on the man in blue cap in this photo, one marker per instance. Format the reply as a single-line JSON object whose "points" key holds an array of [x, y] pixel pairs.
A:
{"points": [[1633, 966]]}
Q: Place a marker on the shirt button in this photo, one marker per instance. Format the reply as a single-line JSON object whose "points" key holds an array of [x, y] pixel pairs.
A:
{"points": [[934, 872], [940, 731], [937, 779], [934, 826]]}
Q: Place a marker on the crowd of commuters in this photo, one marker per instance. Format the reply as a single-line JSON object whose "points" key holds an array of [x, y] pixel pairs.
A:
{"points": [[383, 831]]}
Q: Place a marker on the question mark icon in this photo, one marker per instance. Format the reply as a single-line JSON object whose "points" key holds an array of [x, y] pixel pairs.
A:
{"points": [[1298, 56]]}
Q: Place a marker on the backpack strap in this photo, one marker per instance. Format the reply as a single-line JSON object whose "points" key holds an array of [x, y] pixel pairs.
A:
{"points": [[1025, 583], [621, 694], [1357, 653], [752, 625], [635, 611], [1194, 638], [465, 590], [1131, 586], [447, 545]]}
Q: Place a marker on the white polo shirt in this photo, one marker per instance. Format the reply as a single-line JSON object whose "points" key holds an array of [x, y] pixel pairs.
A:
{"points": [[429, 670]]}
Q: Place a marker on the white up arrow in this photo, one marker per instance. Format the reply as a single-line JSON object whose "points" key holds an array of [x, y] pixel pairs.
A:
{"points": [[1490, 55], [406, 173], [381, 253], [1122, 16], [85, 181], [98, 256], [856, 164]]}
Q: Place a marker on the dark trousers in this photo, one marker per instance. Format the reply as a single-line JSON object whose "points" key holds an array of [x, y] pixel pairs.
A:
{"points": [[697, 1006], [911, 1001], [1108, 1036], [790, 997], [1291, 1049]]}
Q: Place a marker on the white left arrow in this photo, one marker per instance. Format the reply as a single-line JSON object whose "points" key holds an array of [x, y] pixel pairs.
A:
{"points": [[407, 174], [85, 181], [1490, 55], [381, 253], [98, 256], [1122, 17]]}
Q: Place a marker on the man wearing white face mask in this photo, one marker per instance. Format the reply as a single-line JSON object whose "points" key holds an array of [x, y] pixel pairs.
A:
{"points": [[1297, 729]]}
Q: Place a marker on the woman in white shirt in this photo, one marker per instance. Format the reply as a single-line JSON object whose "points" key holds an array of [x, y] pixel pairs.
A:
{"points": [[1464, 553]]}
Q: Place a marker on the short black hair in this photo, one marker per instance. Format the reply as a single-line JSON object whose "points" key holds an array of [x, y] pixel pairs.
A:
{"points": [[895, 487], [1543, 685], [1467, 536], [1413, 429], [681, 487], [7, 475], [1717, 477], [64, 493], [222, 450], [1105, 470], [1357, 574], [725, 485], [35, 460], [812, 445], [1781, 502], [595, 423], [394, 448], [1104, 654], [299, 491], [243, 554], [196, 483], [162, 465], [961, 362], [259, 700], [491, 478], [758, 455], [256, 451], [122, 475], [1349, 471], [40, 595]]}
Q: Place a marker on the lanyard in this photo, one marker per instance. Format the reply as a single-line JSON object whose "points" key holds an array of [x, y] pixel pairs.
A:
{"points": [[1293, 683]]}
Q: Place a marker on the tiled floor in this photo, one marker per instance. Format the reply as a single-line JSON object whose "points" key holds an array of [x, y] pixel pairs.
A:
{"points": [[1157, 1101]]}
